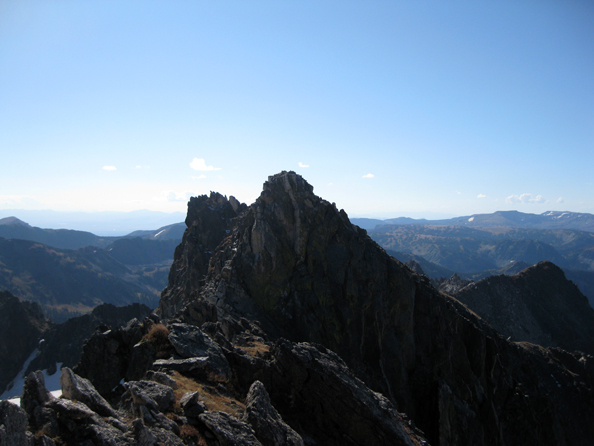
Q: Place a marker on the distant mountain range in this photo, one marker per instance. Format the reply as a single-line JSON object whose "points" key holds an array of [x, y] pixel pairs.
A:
{"points": [[70, 272], [100, 223], [508, 219], [13, 228]]}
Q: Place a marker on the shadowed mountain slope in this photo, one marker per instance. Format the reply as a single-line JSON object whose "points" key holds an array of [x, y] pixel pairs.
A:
{"points": [[67, 282], [538, 305], [21, 324]]}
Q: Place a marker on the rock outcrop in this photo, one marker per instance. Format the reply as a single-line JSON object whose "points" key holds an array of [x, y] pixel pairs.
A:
{"points": [[302, 330], [208, 222], [537, 305], [294, 263]]}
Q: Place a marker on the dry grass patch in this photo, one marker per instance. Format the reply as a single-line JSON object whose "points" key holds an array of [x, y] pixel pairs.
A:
{"points": [[255, 348], [209, 395]]}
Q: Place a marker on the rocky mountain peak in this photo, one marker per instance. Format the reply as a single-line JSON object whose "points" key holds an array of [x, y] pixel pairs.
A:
{"points": [[293, 266], [208, 222]]}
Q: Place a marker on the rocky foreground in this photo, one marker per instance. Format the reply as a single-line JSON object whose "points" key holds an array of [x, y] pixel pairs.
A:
{"points": [[285, 324]]}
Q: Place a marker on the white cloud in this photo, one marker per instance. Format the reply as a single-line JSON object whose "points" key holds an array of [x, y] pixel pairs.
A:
{"points": [[173, 196], [200, 164], [481, 196], [143, 167], [303, 165], [369, 175], [525, 199], [560, 200], [111, 168], [199, 177]]}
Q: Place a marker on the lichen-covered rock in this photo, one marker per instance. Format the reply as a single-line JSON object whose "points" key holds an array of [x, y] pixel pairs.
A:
{"points": [[161, 378], [269, 426], [152, 394], [190, 342], [192, 406], [35, 393], [13, 425], [228, 430], [80, 389]]}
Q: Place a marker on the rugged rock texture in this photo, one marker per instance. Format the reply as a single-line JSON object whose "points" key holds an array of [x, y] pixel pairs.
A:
{"points": [[63, 343], [112, 355], [13, 425], [294, 263], [266, 421], [21, 326], [451, 285], [209, 220], [292, 281], [538, 305]]}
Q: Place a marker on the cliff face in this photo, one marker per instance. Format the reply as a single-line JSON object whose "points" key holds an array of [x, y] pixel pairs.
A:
{"points": [[294, 263], [537, 305], [208, 222]]}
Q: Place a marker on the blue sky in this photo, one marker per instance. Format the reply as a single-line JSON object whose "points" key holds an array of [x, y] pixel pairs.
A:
{"points": [[387, 108]]}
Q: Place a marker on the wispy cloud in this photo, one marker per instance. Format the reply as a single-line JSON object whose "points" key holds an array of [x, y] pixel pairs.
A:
{"points": [[525, 199], [369, 175], [481, 196], [560, 200], [174, 196], [110, 168], [303, 165], [199, 177], [143, 167], [200, 164]]}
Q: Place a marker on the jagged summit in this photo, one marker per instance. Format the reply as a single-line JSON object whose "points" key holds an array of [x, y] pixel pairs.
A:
{"points": [[294, 265]]}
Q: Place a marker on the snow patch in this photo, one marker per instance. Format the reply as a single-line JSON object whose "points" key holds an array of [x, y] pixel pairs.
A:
{"points": [[159, 233], [471, 219], [15, 388]]}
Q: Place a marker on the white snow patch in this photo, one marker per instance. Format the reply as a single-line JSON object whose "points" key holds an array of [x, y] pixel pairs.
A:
{"points": [[160, 232], [564, 213], [471, 219], [52, 382]]}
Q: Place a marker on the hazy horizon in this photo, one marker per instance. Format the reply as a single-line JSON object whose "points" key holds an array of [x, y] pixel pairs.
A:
{"points": [[386, 108]]}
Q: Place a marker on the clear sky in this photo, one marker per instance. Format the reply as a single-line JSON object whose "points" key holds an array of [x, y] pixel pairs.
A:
{"points": [[387, 108]]}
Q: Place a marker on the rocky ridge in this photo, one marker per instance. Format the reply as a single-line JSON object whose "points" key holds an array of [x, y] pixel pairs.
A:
{"points": [[537, 305], [294, 263], [302, 330]]}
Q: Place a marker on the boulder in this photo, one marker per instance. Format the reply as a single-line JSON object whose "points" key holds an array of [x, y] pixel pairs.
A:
{"points": [[153, 395], [190, 342], [80, 389], [34, 392], [192, 406], [161, 378], [269, 426], [228, 430], [13, 425]]}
